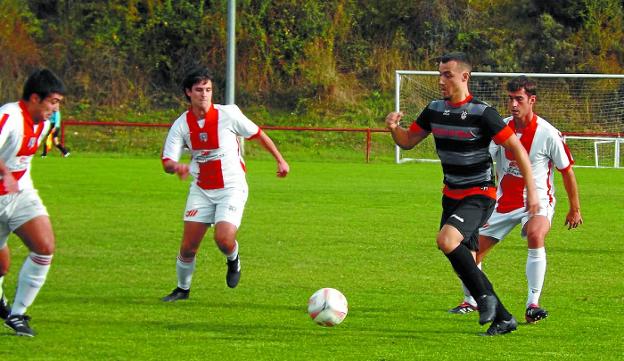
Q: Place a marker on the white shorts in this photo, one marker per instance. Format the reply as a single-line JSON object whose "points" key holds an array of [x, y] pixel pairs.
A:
{"points": [[215, 205], [500, 224], [17, 209]]}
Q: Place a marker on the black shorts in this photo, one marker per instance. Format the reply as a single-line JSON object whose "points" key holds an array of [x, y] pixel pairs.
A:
{"points": [[467, 215]]}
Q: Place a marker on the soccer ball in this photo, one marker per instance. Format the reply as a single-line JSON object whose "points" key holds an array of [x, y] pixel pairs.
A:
{"points": [[328, 307]]}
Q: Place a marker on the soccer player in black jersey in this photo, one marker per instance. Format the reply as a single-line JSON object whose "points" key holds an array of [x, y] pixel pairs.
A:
{"points": [[463, 127]]}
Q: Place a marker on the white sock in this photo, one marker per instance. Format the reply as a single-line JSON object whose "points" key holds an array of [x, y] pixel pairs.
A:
{"points": [[535, 272], [32, 276], [467, 296], [1, 288], [232, 256], [184, 270]]}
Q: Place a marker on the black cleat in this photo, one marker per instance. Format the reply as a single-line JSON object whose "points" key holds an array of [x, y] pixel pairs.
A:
{"points": [[177, 294], [487, 308], [233, 272], [19, 324], [534, 313], [463, 308], [502, 327], [5, 308]]}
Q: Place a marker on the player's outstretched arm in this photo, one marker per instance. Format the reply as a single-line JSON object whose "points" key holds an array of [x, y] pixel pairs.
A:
{"points": [[282, 166], [573, 218], [520, 155], [402, 137], [173, 167], [8, 181]]}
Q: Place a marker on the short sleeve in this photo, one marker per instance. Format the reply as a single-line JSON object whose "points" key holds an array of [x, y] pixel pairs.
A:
{"points": [[559, 152], [423, 122], [242, 125], [174, 144]]}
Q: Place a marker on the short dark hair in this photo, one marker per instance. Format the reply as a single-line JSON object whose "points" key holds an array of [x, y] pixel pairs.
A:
{"points": [[195, 76], [521, 82], [457, 56], [42, 82]]}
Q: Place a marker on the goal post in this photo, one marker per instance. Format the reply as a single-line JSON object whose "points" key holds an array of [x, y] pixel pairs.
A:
{"points": [[587, 108]]}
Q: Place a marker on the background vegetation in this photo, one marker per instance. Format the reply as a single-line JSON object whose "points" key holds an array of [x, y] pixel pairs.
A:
{"points": [[325, 61]]}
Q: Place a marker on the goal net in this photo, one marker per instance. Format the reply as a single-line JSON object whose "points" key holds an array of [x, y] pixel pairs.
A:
{"points": [[587, 108]]}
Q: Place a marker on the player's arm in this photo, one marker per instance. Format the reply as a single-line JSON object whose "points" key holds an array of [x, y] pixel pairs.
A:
{"points": [[512, 143], [404, 138], [573, 218], [8, 181], [172, 153], [282, 166]]}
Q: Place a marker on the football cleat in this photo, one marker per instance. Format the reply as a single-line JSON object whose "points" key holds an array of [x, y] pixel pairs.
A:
{"points": [[534, 313], [502, 327], [487, 308], [177, 294], [233, 272], [5, 308], [463, 309], [19, 324]]}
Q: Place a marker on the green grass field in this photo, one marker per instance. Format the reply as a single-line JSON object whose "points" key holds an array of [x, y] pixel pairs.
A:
{"points": [[366, 229]]}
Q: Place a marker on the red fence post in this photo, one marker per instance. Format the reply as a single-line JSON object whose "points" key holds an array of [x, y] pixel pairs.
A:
{"points": [[368, 144]]}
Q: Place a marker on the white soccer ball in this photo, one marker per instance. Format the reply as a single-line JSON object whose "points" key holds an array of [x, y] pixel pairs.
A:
{"points": [[328, 307]]}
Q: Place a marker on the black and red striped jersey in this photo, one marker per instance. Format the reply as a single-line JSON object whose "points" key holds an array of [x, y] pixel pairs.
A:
{"points": [[462, 133]]}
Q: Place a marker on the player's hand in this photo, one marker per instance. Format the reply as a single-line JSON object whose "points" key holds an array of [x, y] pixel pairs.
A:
{"points": [[573, 219], [9, 183], [532, 204], [393, 119], [282, 169], [182, 170]]}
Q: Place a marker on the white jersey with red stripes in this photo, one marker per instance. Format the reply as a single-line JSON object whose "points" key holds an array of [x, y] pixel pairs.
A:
{"points": [[216, 159], [19, 139], [546, 149]]}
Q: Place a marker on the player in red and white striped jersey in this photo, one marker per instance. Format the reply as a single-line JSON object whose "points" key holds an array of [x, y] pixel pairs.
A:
{"points": [[218, 192], [547, 152], [22, 126]]}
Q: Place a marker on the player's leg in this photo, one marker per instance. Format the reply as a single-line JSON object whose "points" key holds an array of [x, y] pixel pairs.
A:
{"points": [[57, 142], [469, 304], [466, 217], [459, 255], [194, 232], [228, 217], [5, 262], [225, 238], [38, 236], [536, 229]]}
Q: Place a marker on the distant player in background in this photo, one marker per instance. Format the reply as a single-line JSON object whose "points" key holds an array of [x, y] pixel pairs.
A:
{"points": [[54, 133], [546, 149], [218, 192], [462, 128], [22, 128]]}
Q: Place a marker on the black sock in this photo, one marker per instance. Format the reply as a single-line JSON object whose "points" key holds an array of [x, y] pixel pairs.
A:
{"points": [[467, 270], [501, 312]]}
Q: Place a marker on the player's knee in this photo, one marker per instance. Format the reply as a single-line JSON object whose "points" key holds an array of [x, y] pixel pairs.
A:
{"points": [[45, 247], [445, 244], [535, 238]]}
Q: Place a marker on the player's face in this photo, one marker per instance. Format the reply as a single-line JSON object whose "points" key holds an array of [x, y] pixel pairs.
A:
{"points": [[521, 104], [42, 109], [201, 95], [453, 79]]}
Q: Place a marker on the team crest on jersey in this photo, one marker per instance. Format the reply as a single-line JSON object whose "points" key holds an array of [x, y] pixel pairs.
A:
{"points": [[32, 142], [463, 115], [203, 137]]}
